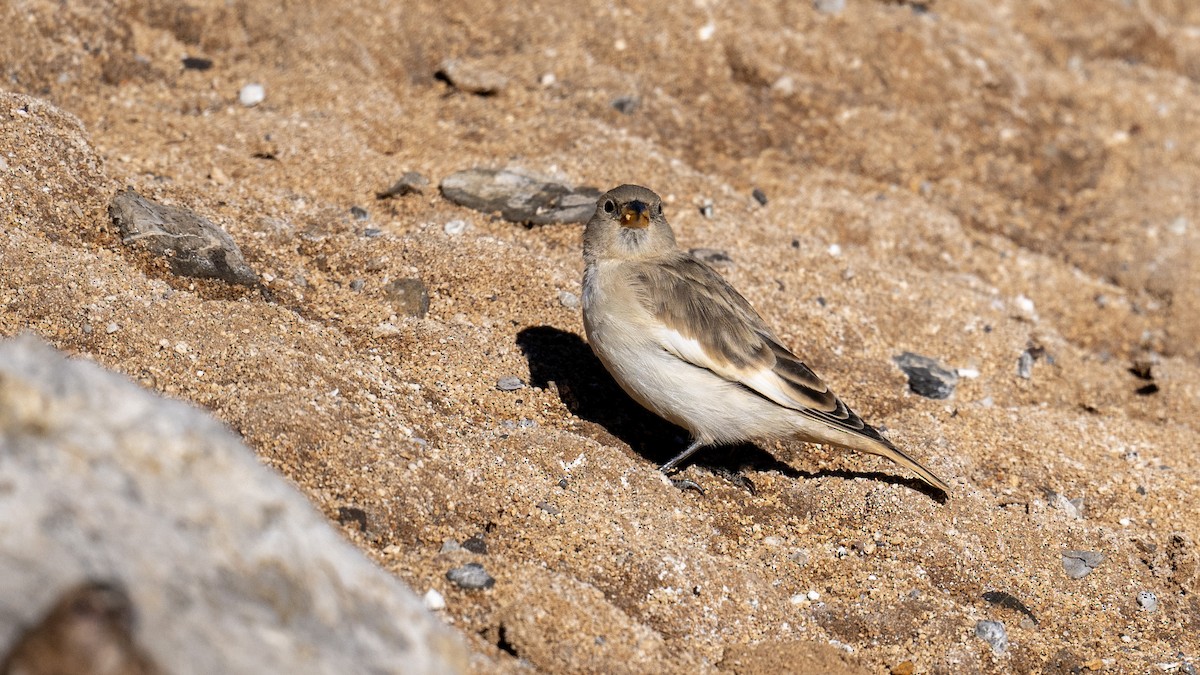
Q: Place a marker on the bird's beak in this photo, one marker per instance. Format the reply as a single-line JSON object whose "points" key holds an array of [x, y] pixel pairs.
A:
{"points": [[635, 214]]}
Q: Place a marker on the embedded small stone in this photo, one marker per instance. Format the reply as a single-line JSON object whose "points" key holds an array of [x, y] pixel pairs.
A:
{"points": [[520, 198], [192, 244], [408, 297], [927, 377], [993, 633], [759, 196], [410, 183], [1147, 601], [1079, 564], [568, 300], [471, 576], [509, 383], [252, 94], [471, 77]]}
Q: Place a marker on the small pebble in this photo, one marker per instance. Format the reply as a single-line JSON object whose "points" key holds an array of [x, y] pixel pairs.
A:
{"points": [[252, 94], [1079, 564], [568, 300], [410, 183], [471, 576], [548, 508], [1025, 365], [903, 668], [476, 544], [547, 79], [1147, 601], [706, 208], [357, 285], [472, 77], [993, 633], [434, 600], [111, 328], [450, 546], [927, 377], [759, 196], [455, 227], [359, 213], [196, 63], [626, 105], [408, 297], [510, 383], [829, 6], [372, 232], [813, 596]]}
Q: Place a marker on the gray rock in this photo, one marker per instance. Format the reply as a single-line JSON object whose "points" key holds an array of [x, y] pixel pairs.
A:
{"points": [[192, 244], [519, 198], [759, 196], [471, 576], [993, 633], [510, 383], [1025, 365], [568, 299], [408, 297], [927, 377], [627, 105], [476, 544], [472, 77], [410, 183], [1079, 564], [1147, 601], [230, 568]]}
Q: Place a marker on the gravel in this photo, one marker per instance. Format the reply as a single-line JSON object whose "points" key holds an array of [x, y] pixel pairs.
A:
{"points": [[471, 576], [926, 376], [993, 633]]}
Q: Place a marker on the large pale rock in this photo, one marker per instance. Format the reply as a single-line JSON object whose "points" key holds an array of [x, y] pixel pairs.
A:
{"points": [[230, 569]]}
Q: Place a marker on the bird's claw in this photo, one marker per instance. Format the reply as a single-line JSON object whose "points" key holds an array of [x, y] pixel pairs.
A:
{"points": [[685, 484]]}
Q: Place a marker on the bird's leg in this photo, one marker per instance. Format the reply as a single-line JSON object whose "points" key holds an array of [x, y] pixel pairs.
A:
{"points": [[674, 461]]}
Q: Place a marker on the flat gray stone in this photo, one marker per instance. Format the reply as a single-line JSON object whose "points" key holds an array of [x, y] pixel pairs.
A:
{"points": [[520, 198], [192, 244], [1079, 564]]}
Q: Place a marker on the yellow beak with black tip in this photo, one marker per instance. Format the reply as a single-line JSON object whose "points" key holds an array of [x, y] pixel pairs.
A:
{"points": [[635, 214]]}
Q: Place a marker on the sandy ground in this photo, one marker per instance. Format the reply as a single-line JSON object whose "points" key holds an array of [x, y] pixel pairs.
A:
{"points": [[965, 180]]}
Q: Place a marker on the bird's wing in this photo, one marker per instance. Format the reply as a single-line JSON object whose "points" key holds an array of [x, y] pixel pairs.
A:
{"points": [[708, 324]]}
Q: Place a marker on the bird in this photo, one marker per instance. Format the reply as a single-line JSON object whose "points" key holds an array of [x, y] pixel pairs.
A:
{"points": [[88, 631], [683, 343]]}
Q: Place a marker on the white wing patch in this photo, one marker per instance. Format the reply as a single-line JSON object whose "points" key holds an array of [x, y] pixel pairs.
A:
{"points": [[762, 380]]}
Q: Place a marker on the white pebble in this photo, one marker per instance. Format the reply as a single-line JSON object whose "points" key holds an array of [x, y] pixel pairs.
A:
{"points": [[112, 328], [252, 94], [706, 31], [835, 250], [968, 373], [434, 600], [3, 164], [1147, 601], [1025, 305], [814, 596], [455, 227], [1124, 522], [568, 300], [547, 79]]}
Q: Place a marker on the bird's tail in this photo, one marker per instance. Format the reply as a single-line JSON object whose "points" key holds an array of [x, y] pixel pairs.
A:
{"points": [[884, 448]]}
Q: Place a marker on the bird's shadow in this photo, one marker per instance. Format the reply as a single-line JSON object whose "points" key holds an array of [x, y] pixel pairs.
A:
{"points": [[562, 360]]}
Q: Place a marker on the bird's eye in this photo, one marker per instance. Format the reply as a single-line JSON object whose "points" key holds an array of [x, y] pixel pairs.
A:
{"points": [[658, 209], [609, 206]]}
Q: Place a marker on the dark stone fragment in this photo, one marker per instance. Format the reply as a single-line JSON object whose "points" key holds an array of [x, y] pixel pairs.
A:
{"points": [[627, 105], [476, 544], [197, 63], [760, 196], [927, 377], [1009, 601], [192, 244], [353, 515]]}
